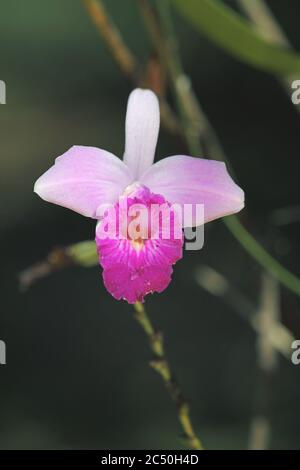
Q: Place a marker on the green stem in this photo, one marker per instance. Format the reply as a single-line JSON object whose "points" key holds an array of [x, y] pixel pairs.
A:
{"points": [[161, 365], [207, 133], [270, 264]]}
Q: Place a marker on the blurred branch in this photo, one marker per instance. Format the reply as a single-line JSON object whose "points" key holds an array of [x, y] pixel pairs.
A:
{"points": [[285, 215], [264, 20], [183, 88], [80, 254], [277, 334], [268, 316], [125, 58], [112, 36], [162, 367], [272, 338], [269, 28]]}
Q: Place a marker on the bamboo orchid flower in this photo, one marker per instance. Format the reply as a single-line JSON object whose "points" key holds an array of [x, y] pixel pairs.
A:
{"points": [[88, 179]]}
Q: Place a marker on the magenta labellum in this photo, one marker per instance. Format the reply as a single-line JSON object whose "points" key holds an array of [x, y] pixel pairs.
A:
{"points": [[138, 263]]}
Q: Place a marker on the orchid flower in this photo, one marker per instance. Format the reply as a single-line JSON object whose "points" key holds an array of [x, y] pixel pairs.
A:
{"points": [[85, 179]]}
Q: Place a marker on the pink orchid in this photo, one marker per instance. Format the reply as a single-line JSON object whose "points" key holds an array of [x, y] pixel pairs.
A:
{"points": [[85, 179]]}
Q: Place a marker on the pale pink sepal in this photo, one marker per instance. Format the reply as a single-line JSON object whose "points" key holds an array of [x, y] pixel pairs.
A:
{"points": [[188, 180], [83, 178]]}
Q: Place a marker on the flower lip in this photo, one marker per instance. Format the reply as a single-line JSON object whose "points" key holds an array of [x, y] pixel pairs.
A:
{"points": [[136, 264]]}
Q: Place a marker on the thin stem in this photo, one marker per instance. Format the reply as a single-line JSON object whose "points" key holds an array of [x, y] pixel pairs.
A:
{"points": [[79, 254], [267, 316], [270, 264], [248, 242], [161, 365]]}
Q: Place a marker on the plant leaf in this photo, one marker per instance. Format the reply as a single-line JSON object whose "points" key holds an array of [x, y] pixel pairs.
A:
{"points": [[229, 30]]}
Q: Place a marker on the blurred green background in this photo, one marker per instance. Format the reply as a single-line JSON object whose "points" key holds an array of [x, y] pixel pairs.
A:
{"points": [[76, 373]]}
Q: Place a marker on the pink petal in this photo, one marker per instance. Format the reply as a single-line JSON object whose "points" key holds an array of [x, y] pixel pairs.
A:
{"points": [[188, 180], [142, 126], [83, 178]]}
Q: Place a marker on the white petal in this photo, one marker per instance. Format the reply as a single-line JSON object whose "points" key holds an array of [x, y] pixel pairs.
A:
{"points": [[141, 132]]}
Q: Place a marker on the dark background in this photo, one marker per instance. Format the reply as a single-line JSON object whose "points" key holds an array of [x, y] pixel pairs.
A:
{"points": [[76, 373]]}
